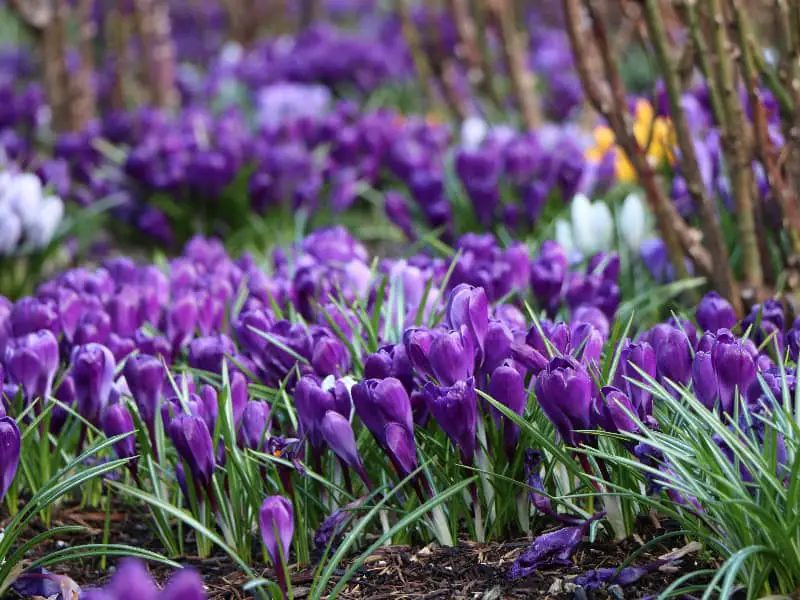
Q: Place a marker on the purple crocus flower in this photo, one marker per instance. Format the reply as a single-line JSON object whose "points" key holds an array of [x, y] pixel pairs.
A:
{"points": [[380, 402], [548, 273], [92, 369], [673, 354], [117, 421], [338, 433], [714, 313], [207, 353], [10, 445], [32, 362], [468, 311], [145, 376], [564, 391], [611, 411], [277, 528], [635, 361], [254, 424], [507, 387], [193, 442], [451, 356], [553, 549], [185, 584], [132, 581], [735, 369], [704, 379], [455, 408]]}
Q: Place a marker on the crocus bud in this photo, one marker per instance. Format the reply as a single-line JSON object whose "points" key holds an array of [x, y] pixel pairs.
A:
{"points": [[311, 403], [185, 584], [564, 391], [193, 442], [455, 408], [468, 311], [592, 225], [452, 357], [735, 370], [239, 395], [145, 376], [508, 388], [131, 581], [548, 272], [254, 425], [634, 360], [207, 353], [378, 365], [32, 362], [380, 402], [182, 319], [498, 346], [587, 343], [673, 354], [116, 421], [418, 343], [277, 527], [10, 445], [208, 398], [93, 371], [330, 357], [714, 312], [30, 315], [704, 379], [338, 434], [402, 448], [612, 411]]}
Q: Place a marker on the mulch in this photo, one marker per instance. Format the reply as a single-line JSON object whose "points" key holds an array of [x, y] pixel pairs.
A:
{"points": [[468, 571]]}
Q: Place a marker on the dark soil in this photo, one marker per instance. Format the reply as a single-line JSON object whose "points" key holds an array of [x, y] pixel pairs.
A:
{"points": [[468, 571]]}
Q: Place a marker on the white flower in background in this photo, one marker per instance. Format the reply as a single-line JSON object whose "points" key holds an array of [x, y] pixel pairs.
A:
{"points": [[634, 221], [473, 132], [10, 230], [41, 232], [26, 215], [564, 236], [592, 225]]}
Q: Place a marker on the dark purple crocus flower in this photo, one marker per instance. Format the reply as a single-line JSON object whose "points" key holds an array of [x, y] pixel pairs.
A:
{"points": [[611, 411], [402, 448], [380, 402], [735, 369], [332, 528], [634, 360], [254, 425], [564, 391], [468, 311], [704, 379], [418, 343], [30, 315], [277, 528], [193, 442], [207, 353], [31, 363], [117, 421], [673, 355], [497, 346], [132, 581], [587, 343], [548, 272], [10, 445], [599, 578], [455, 408], [145, 376], [714, 313], [329, 357], [311, 403], [92, 370], [507, 387], [452, 356], [553, 549]]}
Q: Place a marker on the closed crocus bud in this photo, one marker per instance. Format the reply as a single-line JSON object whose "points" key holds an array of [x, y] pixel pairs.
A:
{"points": [[207, 353], [468, 310], [510, 316], [185, 584], [116, 421], [595, 316], [612, 411], [276, 518], [182, 319], [123, 310], [311, 403], [564, 391], [673, 356], [704, 379], [254, 425], [507, 387], [714, 312], [735, 370], [10, 445], [40, 232], [378, 365], [193, 442], [455, 408], [634, 361], [587, 343], [30, 315], [498, 346], [132, 581], [208, 398], [548, 272], [402, 448], [379, 402], [145, 376], [93, 371], [239, 395], [330, 357], [338, 434], [32, 362], [452, 357], [418, 343]]}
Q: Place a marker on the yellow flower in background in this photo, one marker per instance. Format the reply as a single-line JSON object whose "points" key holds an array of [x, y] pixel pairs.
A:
{"points": [[652, 133]]}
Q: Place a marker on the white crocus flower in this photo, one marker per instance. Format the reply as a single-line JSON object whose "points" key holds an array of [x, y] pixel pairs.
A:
{"points": [[592, 225], [564, 236], [24, 194], [473, 132], [10, 230], [40, 233], [634, 221]]}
